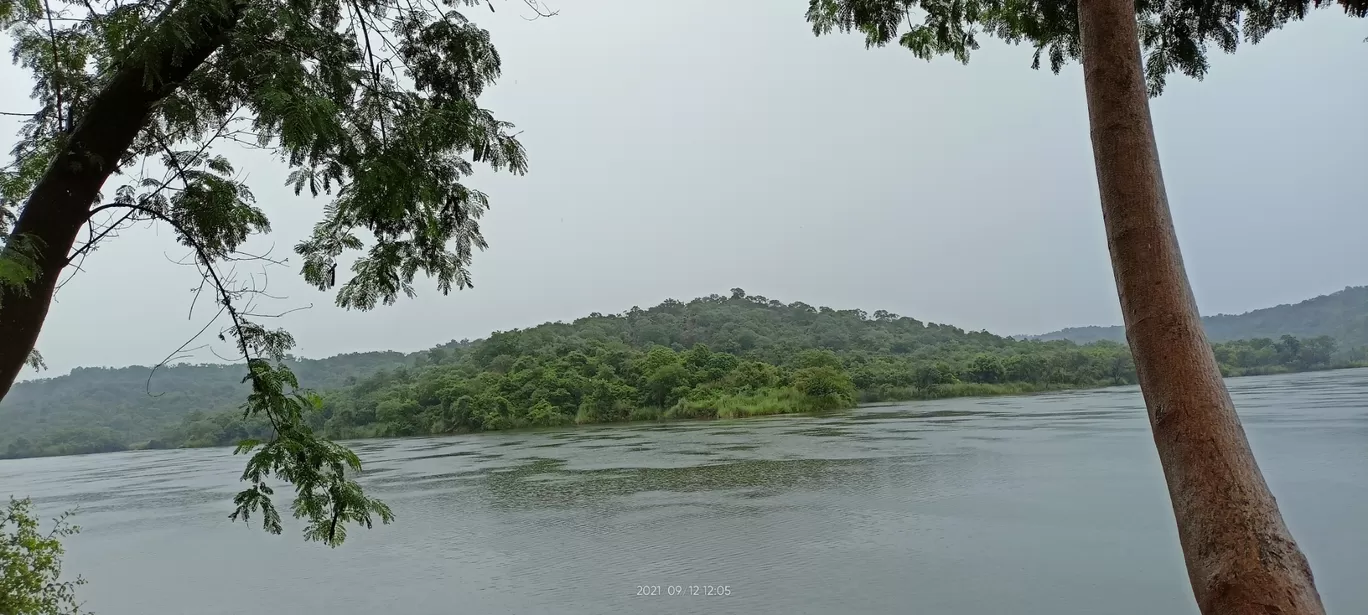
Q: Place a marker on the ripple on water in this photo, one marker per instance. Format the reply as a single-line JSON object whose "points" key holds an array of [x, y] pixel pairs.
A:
{"points": [[952, 506]]}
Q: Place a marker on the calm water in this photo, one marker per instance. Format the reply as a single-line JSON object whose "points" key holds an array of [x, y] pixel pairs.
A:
{"points": [[1046, 504]]}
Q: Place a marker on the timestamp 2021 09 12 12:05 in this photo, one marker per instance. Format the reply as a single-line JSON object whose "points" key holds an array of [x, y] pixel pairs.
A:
{"points": [[683, 590]]}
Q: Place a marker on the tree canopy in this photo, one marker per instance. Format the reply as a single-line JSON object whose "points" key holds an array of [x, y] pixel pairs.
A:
{"points": [[370, 103], [1176, 35]]}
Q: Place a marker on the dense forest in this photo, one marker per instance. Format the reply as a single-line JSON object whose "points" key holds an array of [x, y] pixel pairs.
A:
{"points": [[716, 356], [1342, 316]]}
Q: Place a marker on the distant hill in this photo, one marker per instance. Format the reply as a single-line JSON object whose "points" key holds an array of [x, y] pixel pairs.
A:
{"points": [[1342, 316], [111, 407]]}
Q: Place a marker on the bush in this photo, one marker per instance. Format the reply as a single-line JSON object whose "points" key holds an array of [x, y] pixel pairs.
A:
{"points": [[825, 388], [31, 564]]}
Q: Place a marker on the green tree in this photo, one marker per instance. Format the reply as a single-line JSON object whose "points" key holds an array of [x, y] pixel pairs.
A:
{"points": [[826, 388], [31, 564], [1222, 505], [928, 376], [1121, 368], [663, 383], [370, 101], [1317, 351], [817, 358], [986, 369], [753, 376], [543, 414]]}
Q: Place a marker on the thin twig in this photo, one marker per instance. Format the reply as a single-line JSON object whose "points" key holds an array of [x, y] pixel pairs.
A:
{"points": [[198, 291], [89, 245], [278, 314], [206, 268], [537, 9], [265, 256], [370, 56], [174, 354], [160, 188]]}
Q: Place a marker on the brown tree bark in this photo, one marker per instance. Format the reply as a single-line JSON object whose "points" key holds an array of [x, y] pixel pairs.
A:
{"points": [[61, 200], [1240, 557]]}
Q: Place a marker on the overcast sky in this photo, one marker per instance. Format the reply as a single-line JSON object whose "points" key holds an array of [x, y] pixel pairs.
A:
{"points": [[691, 147]]}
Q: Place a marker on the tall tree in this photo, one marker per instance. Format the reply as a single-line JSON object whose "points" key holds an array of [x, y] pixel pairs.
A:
{"points": [[370, 101], [1240, 556]]}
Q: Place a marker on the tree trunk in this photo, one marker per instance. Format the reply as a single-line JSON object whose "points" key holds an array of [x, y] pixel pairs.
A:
{"points": [[1240, 557], [61, 200]]}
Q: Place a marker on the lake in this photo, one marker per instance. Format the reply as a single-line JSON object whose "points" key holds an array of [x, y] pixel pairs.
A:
{"points": [[1040, 504]]}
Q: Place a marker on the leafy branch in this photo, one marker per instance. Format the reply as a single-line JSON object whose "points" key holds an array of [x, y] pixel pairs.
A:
{"points": [[325, 497], [31, 563], [372, 102]]}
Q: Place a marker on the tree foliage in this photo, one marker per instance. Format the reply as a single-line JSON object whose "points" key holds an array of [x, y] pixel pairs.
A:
{"points": [[370, 103], [31, 564], [1176, 35]]}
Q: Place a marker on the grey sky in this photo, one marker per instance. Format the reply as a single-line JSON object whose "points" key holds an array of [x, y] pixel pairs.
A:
{"points": [[688, 148]]}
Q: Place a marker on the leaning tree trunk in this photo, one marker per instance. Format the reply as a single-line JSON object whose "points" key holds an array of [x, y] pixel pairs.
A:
{"points": [[61, 200], [1240, 557]]}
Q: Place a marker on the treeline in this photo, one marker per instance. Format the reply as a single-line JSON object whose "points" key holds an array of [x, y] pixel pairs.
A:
{"points": [[715, 357], [1288, 354]]}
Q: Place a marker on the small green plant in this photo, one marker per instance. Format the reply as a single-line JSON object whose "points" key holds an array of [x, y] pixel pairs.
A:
{"points": [[31, 564]]}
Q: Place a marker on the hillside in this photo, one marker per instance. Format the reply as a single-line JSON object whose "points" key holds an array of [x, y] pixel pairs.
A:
{"points": [[736, 355], [1342, 315], [95, 409]]}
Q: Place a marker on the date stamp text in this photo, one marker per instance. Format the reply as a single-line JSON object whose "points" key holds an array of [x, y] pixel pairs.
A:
{"points": [[683, 590]]}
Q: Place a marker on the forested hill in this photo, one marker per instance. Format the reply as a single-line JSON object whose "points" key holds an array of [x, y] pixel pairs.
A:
{"points": [[721, 355], [95, 409], [1342, 315], [751, 325]]}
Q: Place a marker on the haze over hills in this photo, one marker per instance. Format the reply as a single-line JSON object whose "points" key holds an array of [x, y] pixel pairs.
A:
{"points": [[1341, 315], [137, 401], [883, 356]]}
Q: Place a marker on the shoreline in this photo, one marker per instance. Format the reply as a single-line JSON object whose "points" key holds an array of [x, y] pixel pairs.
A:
{"points": [[952, 391]]}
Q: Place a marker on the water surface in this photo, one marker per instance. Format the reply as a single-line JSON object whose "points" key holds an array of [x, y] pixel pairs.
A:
{"points": [[1042, 504]]}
